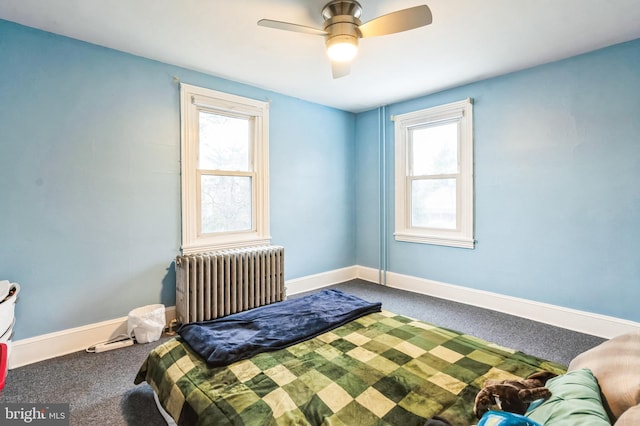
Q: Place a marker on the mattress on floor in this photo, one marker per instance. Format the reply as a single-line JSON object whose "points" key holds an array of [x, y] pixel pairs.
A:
{"points": [[380, 369]]}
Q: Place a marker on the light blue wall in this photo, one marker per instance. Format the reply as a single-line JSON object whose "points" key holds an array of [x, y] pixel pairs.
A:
{"points": [[90, 185], [557, 186], [312, 186], [90, 179]]}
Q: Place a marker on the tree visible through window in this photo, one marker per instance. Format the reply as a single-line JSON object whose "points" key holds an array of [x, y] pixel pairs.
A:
{"points": [[224, 170], [434, 165], [434, 175], [224, 163]]}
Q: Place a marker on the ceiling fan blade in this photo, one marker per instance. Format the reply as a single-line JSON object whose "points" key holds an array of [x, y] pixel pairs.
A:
{"points": [[287, 26], [340, 69], [395, 22]]}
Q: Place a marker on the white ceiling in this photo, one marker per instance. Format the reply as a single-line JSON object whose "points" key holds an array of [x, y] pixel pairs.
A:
{"points": [[469, 40]]}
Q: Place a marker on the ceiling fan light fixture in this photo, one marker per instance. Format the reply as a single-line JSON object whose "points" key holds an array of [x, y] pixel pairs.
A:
{"points": [[342, 29], [342, 48]]}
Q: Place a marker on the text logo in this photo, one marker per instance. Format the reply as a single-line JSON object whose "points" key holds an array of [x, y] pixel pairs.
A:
{"points": [[34, 414]]}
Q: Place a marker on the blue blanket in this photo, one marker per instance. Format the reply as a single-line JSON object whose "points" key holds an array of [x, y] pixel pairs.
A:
{"points": [[225, 340]]}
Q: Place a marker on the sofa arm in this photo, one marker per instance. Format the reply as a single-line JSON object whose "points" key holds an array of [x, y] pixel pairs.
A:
{"points": [[616, 365]]}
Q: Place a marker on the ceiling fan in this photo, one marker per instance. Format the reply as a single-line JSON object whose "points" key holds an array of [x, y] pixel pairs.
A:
{"points": [[342, 29]]}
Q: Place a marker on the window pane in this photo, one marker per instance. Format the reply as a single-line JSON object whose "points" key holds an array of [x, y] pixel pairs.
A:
{"points": [[434, 149], [226, 203], [433, 203], [224, 142]]}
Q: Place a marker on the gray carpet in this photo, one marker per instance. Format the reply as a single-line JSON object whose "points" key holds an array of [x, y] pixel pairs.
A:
{"points": [[100, 389]]}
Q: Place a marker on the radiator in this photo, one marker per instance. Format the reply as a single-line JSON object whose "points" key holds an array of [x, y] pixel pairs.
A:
{"points": [[215, 284]]}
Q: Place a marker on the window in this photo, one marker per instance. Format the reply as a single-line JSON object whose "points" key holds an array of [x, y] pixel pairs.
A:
{"points": [[225, 193], [434, 175]]}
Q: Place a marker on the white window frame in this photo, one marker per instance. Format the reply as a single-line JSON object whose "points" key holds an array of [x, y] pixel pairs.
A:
{"points": [[462, 113], [194, 99]]}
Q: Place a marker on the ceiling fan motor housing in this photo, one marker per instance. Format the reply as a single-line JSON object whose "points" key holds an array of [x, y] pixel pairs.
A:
{"points": [[341, 7], [341, 22]]}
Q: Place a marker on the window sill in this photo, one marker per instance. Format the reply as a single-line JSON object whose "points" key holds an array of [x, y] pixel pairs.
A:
{"points": [[449, 241], [203, 248]]}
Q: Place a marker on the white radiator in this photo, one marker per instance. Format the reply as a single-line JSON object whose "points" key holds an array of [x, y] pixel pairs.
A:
{"points": [[215, 284]]}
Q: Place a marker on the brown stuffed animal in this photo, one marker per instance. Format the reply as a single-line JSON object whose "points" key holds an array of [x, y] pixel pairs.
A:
{"points": [[512, 395]]}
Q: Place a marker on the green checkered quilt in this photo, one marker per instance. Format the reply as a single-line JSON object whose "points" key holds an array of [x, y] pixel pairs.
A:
{"points": [[381, 369]]}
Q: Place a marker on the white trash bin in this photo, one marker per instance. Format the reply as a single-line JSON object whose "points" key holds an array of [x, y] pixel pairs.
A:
{"points": [[8, 306], [7, 311], [146, 323]]}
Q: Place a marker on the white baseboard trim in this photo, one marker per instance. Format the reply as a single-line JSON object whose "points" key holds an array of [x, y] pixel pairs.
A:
{"points": [[571, 319], [324, 279], [47, 346]]}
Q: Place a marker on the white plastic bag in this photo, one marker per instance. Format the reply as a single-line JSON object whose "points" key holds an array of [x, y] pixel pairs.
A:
{"points": [[146, 323]]}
